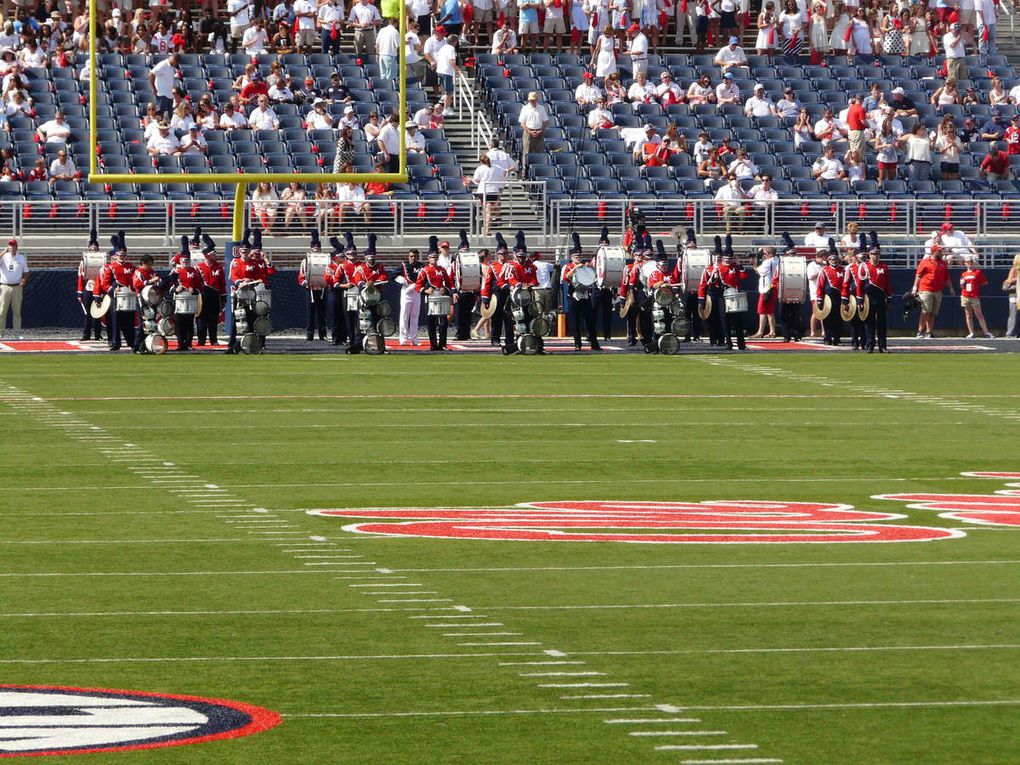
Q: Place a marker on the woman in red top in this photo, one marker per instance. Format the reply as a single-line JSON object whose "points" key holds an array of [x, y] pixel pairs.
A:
{"points": [[971, 282]]}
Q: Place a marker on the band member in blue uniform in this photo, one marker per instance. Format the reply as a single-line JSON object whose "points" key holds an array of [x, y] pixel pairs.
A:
{"points": [[315, 298], [579, 297]]}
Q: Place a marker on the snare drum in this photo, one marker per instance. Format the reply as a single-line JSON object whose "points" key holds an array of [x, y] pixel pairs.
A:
{"points": [[539, 326], [610, 263], [793, 282], [125, 300], [468, 272], [250, 343], [669, 344], [166, 325], [316, 265], [155, 344], [583, 279], [186, 303], [351, 299], [735, 301], [439, 305], [261, 308], [521, 296], [383, 309], [694, 264]]}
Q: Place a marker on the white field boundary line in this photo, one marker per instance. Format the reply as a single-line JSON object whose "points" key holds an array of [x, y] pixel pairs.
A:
{"points": [[873, 391], [161, 478], [6, 397]]}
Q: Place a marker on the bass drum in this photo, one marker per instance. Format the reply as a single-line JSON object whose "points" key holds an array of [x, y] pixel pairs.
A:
{"points": [[386, 327], [316, 265], [793, 282], [529, 345], [695, 261], [384, 309], [468, 272], [669, 344], [155, 344], [251, 343], [539, 326], [91, 263], [374, 344], [610, 263], [263, 325]]}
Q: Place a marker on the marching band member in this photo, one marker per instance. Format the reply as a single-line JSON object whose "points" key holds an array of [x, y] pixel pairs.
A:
{"points": [[367, 273], [496, 286], [711, 286], [185, 278], [848, 295], [814, 269], [631, 287], [85, 287], [354, 262], [339, 279], [315, 299], [579, 301], [465, 299], [481, 327], [118, 273], [659, 277], [214, 289], [244, 272], [432, 278], [604, 297], [143, 276], [690, 297], [789, 313], [830, 282], [731, 273], [406, 275], [768, 289], [520, 274], [878, 289]]}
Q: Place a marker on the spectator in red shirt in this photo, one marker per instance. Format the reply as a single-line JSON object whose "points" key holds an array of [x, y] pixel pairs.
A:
{"points": [[931, 278], [857, 123], [971, 282], [1012, 135], [257, 87], [995, 165]]}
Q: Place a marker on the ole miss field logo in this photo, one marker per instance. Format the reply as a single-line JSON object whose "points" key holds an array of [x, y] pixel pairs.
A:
{"points": [[41, 720], [715, 521]]}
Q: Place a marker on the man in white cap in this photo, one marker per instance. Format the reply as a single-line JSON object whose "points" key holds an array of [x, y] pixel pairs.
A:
{"points": [[952, 42], [759, 105], [13, 275], [414, 141], [533, 119], [727, 91]]}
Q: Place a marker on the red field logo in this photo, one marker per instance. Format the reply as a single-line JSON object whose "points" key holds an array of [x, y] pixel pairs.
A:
{"points": [[1002, 508], [41, 720], [720, 521]]}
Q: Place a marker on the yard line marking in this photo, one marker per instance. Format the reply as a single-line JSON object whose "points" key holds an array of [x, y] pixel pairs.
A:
{"points": [[678, 733], [861, 705], [650, 720], [156, 573], [122, 541], [481, 634], [233, 659], [337, 557], [753, 761], [387, 585], [420, 600], [652, 567], [451, 616], [466, 713], [696, 747], [752, 604], [583, 685], [249, 612], [608, 696], [359, 563], [561, 674], [553, 652], [532, 642], [535, 663], [472, 625]]}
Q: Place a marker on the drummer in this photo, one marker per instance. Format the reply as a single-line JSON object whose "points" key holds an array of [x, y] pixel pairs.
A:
{"points": [[604, 296], [339, 279], [119, 272], [185, 278], [93, 327], [579, 306], [315, 298], [876, 286], [346, 287], [657, 277], [690, 296], [214, 289], [433, 281], [631, 286], [496, 286], [732, 273], [848, 295], [789, 310], [710, 288], [144, 276], [369, 273], [465, 298], [244, 273]]}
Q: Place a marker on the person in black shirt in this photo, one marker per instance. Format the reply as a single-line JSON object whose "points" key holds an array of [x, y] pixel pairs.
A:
{"points": [[968, 132], [994, 129], [901, 105]]}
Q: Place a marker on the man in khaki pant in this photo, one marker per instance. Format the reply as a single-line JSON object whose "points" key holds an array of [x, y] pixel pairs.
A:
{"points": [[13, 275]]}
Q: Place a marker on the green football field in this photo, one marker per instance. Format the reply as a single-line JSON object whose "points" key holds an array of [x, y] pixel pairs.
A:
{"points": [[155, 537]]}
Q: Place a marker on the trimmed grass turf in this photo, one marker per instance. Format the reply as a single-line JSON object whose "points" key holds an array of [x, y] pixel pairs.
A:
{"points": [[715, 631]]}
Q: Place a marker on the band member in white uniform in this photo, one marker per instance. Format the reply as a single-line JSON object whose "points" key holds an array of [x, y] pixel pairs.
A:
{"points": [[315, 299], [579, 306], [406, 275]]}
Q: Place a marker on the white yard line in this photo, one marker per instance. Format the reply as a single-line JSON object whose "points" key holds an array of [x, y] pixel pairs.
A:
{"points": [[755, 604]]}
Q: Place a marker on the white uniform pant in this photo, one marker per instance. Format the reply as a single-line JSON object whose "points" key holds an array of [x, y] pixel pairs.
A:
{"points": [[10, 300], [686, 20], [410, 308]]}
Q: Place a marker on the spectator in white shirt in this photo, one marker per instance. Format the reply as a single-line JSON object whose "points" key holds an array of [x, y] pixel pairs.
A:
{"points": [[282, 92], [231, 119], [762, 193], [387, 46], [240, 13], [641, 91], [952, 42], [742, 167], [588, 91], [701, 148], [414, 141], [446, 69], [162, 77], [731, 56], [32, 56], [363, 18], [504, 41], [499, 158], [668, 92], [827, 129], [62, 169], [330, 20], [55, 131], [827, 167], [638, 50], [534, 119], [164, 143], [305, 13], [318, 118], [727, 92], [389, 143], [254, 39], [759, 104], [817, 239], [194, 142], [262, 117], [731, 198], [488, 181], [600, 117]]}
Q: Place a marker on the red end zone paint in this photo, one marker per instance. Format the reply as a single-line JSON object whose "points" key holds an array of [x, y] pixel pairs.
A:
{"points": [[729, 521], [40, 720]]}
